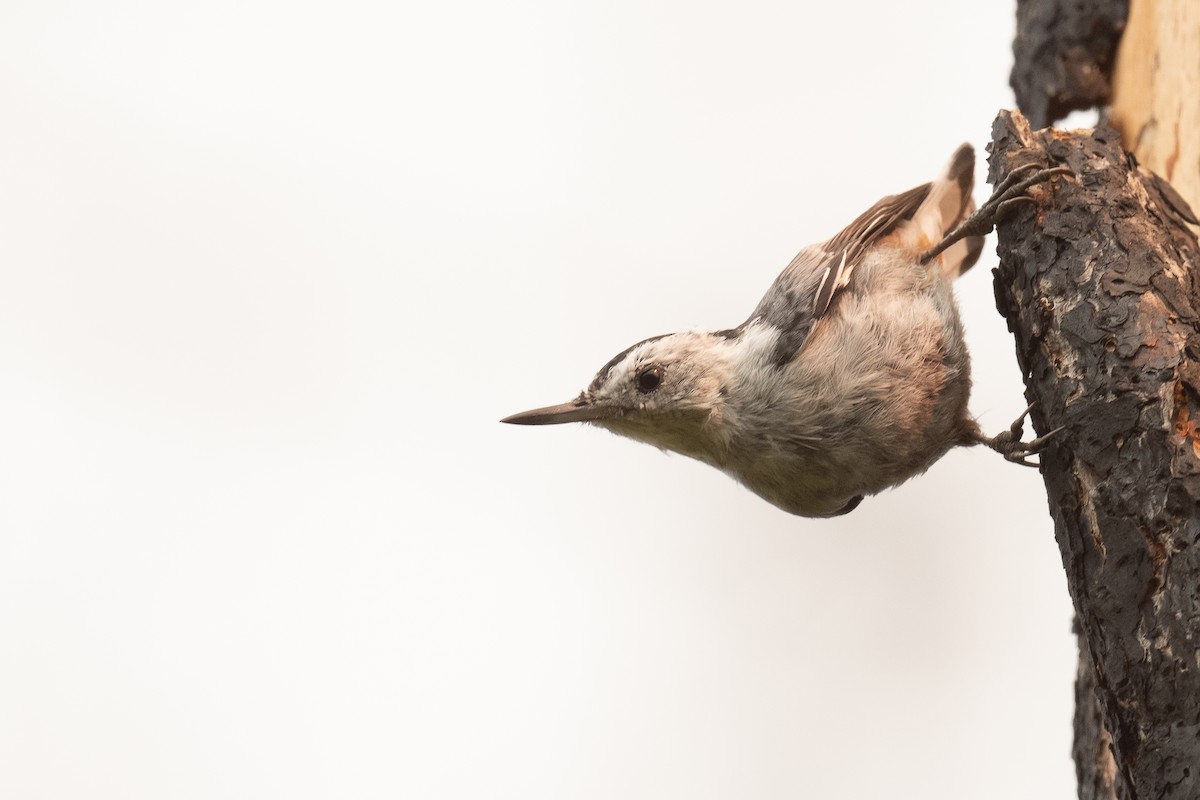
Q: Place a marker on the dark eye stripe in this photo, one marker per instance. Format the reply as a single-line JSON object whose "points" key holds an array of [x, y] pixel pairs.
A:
{"points": [[603, 374]]}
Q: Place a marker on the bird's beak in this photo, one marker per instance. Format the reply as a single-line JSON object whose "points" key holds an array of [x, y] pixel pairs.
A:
{"points": [[577, 410]]}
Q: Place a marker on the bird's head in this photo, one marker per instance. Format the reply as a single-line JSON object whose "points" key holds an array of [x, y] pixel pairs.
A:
{"points": [[668, 391]]}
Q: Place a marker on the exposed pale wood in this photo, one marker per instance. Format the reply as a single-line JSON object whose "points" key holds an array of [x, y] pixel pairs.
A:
{"points": [[1156, 91]]}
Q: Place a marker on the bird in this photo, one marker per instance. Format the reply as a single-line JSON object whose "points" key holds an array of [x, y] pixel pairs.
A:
{"points": [[850, 377]]}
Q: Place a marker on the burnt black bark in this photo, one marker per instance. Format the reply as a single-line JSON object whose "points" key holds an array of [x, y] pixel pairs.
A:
{"points": [[1063, 55], [1100, 283], [1095, 770]]}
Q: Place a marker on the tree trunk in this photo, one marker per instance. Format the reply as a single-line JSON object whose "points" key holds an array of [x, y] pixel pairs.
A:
{"points": [[1063, 55], [1132, 348], [1095, 769], [1098, 284]]}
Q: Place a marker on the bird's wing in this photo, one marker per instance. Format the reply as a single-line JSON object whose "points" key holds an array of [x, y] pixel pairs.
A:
{"points": [[845, 251], [805, 290]]}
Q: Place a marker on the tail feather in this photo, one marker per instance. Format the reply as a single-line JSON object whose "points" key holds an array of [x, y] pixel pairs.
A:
{"points": [[948, 204]]}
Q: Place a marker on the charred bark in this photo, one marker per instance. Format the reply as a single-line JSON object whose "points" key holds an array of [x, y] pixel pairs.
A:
{"points": [[1095, 769], [1063, 55], [1098, 281]]}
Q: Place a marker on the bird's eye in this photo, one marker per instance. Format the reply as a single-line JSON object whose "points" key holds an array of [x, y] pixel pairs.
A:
{"points": [[648, 379]]}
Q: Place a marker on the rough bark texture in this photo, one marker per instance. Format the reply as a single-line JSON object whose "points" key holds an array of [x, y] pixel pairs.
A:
{"points": [[1063, 55], [1095, 769], [1100, 283]]}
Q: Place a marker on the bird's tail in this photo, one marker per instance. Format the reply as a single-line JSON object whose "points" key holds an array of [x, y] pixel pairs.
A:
{"points": [[948, 204]]}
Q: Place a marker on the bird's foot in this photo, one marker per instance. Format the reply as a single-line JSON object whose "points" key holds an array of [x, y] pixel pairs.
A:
{"points": [[1008, 443], [1009, 193]]}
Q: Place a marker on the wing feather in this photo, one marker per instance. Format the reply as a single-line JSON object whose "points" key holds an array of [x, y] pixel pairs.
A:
{"points": [[852, 243], [804, 291]]}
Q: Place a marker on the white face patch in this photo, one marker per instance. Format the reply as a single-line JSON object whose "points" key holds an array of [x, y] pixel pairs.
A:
{"points": [[679, 357], [755, 346], [751, 362], [668, 391]]}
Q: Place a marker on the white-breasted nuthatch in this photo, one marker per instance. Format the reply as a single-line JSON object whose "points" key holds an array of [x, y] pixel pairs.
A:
{"points": [[850, 377]]}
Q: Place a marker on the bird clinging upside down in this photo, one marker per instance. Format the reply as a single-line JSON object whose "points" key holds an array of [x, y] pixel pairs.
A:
{"points": [[851, 375]]}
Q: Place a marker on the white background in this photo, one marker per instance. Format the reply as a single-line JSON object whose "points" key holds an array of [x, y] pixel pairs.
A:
{"points": [[271, 273]]}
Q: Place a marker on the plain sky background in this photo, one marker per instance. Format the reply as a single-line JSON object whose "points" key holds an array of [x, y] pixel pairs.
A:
{"points": [[271, 273]]}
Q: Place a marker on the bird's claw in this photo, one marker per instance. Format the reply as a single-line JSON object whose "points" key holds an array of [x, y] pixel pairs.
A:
{"points": [[1008, 443], [1009, 193]]}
